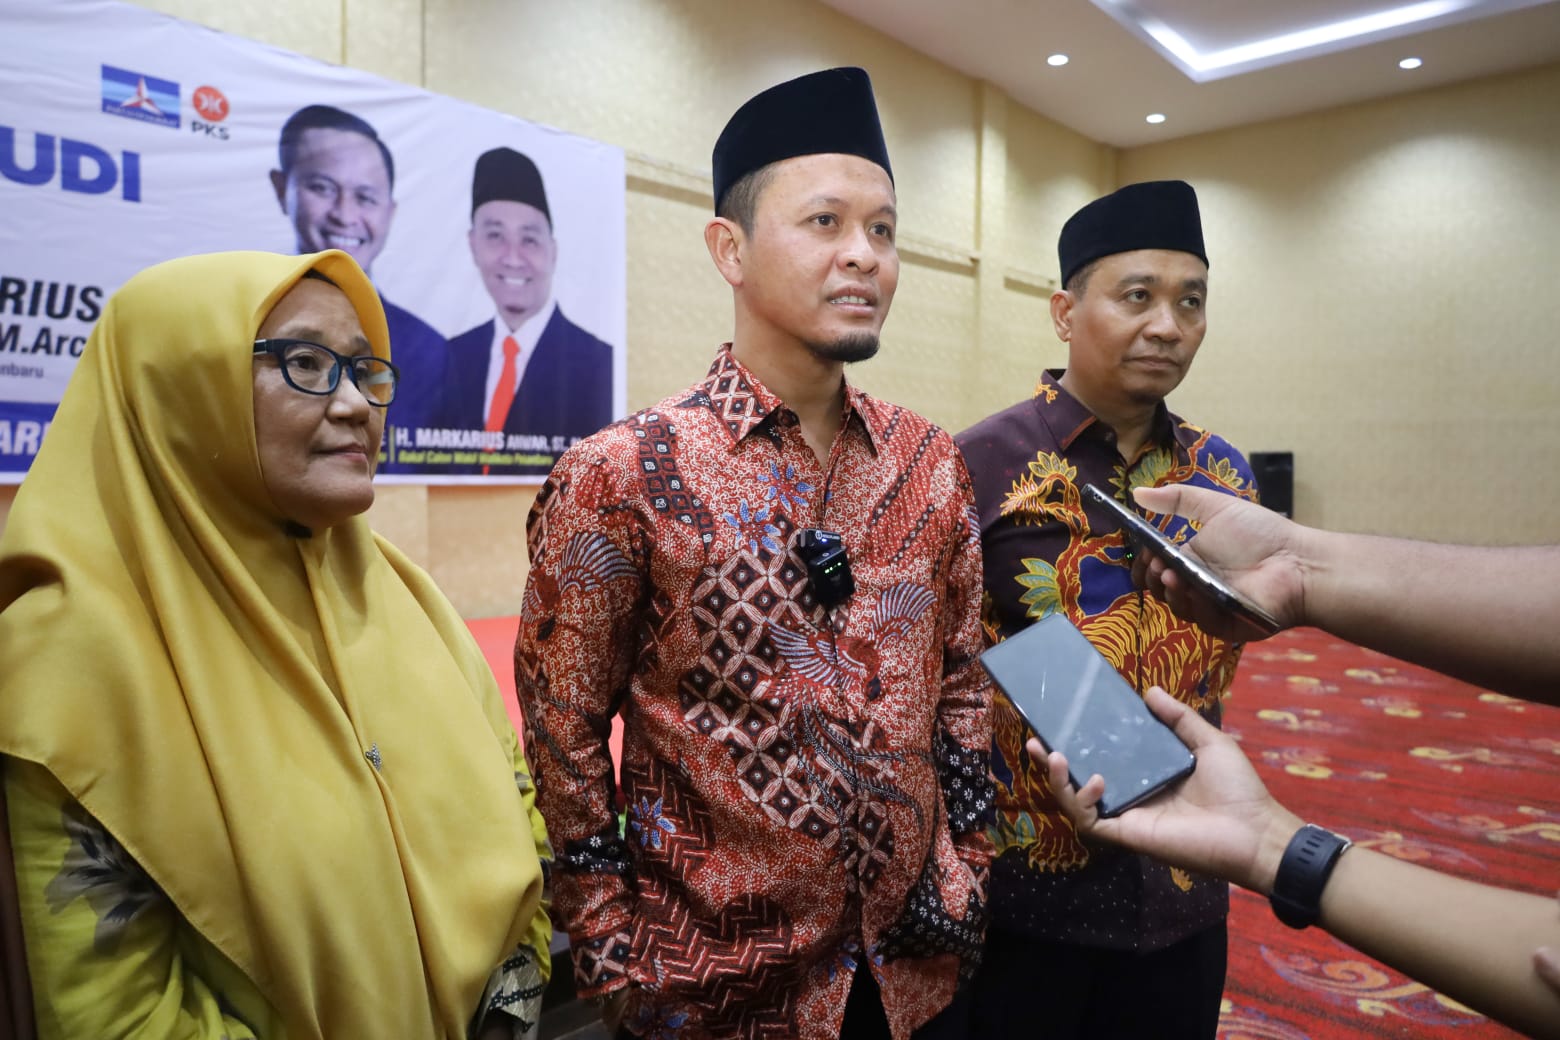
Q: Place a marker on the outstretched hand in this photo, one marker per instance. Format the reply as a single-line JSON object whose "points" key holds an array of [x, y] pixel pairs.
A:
{"points": [[1251, 548], [1221, 820]]}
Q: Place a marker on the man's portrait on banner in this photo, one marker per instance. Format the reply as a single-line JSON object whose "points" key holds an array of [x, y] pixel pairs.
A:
{"points": [[335, 181], [529, 371]]}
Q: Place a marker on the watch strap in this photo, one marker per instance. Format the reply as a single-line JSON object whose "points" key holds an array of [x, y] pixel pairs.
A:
{"points": [[1302, 874]]}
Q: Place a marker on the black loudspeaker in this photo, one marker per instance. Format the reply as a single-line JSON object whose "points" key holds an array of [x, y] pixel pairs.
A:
{"points": [[1275, 472]]}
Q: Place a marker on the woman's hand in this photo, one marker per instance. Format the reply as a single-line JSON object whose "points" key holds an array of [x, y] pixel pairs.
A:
{"points": [[1221, 820]]}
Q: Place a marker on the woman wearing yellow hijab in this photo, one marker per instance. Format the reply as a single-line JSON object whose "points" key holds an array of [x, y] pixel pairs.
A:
{"points": [[260, 779]]}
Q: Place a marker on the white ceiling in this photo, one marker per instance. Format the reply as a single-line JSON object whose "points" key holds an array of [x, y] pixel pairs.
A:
{"points": [[1235, 62]]}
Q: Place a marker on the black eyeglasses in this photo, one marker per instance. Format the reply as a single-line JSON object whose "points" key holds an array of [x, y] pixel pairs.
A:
{"points": [[313, 369]]}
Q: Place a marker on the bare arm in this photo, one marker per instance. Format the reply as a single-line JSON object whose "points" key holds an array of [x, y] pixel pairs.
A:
{"points": [[1485, 615], [1223, 821]]}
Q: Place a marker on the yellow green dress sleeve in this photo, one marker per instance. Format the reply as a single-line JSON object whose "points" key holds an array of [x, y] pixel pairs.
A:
{"points": [[516, 986], [108, 953]]}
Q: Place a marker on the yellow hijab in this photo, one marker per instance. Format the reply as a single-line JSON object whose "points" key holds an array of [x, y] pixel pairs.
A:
{"points": [[207, 686]]}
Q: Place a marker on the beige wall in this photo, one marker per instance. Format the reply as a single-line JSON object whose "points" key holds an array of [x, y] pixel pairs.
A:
{"points": [[1304, 270], [1383, 302]]}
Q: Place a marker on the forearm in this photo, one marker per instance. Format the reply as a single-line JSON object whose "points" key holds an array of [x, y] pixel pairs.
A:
{"points": [[1472, 942], [1484, 615], [964, 704], [964, 710], [590, 893], [573, 658]]}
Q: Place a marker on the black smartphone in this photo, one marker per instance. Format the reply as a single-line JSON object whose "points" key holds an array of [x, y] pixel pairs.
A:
{"points": [[1151, 539], [1081, 706]]}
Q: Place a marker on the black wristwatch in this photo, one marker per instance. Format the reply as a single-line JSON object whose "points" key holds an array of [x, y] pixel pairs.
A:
{"points": [[1303, 873]]}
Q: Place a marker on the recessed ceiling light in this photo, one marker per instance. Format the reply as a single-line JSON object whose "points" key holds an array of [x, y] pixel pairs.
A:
{"points": [[1156, 117], [1410, 63], [1057, 60]]}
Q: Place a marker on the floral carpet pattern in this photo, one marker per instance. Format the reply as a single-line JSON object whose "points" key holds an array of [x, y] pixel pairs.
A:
{"points": [[1404, 761]]}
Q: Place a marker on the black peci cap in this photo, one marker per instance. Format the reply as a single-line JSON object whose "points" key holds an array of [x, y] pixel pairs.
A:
{"points": [[823, 112], [1150, 215], [503, 173]]}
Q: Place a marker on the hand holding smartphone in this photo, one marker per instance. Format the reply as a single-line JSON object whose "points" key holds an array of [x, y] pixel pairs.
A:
{"points": [[1078, 704], [1150, 539]]}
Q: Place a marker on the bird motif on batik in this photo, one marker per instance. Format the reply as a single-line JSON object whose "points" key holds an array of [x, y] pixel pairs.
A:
{"points": [[590, 561], [845, 767], [842, 662]]}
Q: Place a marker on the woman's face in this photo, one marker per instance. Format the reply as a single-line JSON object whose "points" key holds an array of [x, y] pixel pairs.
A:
{"points": [[317, 453]]}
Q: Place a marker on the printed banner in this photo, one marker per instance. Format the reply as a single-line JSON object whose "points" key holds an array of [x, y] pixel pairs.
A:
{"points": [[498, 246]]}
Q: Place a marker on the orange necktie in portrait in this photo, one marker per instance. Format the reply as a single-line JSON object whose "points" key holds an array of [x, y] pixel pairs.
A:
{"points": [[503, 391]]}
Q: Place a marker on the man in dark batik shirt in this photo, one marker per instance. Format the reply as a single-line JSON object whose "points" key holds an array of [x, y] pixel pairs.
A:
{"points": [[806, 770], [1085, 941]]}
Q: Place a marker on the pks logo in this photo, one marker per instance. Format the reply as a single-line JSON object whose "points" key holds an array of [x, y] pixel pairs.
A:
{"points": [[211, 108], [137, 96], [211, 103]]}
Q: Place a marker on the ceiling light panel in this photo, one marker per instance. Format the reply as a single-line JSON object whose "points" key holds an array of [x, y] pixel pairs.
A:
{"points": [[1172, 26]]}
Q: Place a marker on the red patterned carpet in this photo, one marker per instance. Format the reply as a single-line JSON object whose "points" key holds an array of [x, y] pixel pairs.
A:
{"points": [[1397, 758], [1406, 762]]}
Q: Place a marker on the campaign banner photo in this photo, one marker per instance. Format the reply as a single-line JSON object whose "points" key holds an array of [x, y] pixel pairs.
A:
{"points": [[128, 137]]}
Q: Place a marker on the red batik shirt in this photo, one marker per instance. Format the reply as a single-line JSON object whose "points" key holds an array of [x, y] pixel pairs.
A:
{"points": [[807, 790]]}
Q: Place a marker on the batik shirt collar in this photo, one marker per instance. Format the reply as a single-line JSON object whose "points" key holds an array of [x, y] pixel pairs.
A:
{"points": [[746, 406], [1067, 417]]}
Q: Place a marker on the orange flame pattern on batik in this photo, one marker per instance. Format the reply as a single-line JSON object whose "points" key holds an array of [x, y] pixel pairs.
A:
{"points": [[1090, 581]]}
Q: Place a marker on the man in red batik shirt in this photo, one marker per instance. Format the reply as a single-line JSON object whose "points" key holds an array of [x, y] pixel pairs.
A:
{"points": [[775, 579]]}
